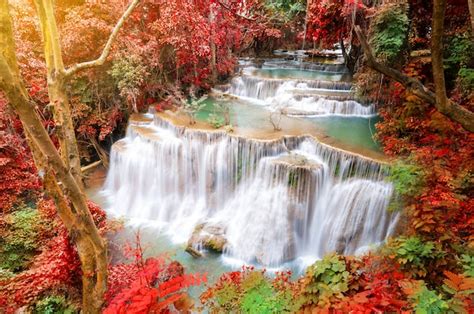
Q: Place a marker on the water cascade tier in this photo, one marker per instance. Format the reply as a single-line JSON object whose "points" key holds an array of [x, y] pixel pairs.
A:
{"points": [[297, 88], [271, 200]]}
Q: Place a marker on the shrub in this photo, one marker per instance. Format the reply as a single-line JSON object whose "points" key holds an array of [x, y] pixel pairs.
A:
{"points": [[427, 301], [389, 29], [21, 239], [129, 73], [467, 263], [251, 291], [148, 286], [53, 305], [460, 51], [413, 254], [407, 179], [326, 281], [56, 266], [261, 297], [466, 78], [18, 174]]}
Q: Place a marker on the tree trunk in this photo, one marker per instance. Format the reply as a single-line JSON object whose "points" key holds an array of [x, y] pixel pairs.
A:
{"points": [[77, 219], [64, 125], [104, 158], [58, 97], [471, 13], [439, 8], [212, 44], [305, 27]]}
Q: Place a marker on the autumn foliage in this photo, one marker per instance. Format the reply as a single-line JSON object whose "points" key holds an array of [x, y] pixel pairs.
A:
{"points": [[150, 285], [17, 171], [331, 21], [56, 266]]}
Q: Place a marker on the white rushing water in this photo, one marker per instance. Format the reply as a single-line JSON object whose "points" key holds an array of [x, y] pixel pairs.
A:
{"points": [[275, 200], [298, 96]]}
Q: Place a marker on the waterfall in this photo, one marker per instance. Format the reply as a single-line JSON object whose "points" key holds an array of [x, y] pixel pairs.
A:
{"points": [[299, 97], [276, 200], [307, 66]]}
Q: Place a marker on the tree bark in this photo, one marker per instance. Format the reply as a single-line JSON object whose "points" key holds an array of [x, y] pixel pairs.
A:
{"points": [[104, 158], [62, 179], [77, 219], [439, 8], [471, 13], [445, 106], [58, 77], [58, 97], [212, 44]]}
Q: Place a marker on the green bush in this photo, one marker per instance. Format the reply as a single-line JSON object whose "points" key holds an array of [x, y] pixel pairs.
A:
{"points": [[129, 74], [459, 60], [21, 240], [261, 297], [286, 10], [327, 280], [53, 305], [466, 78], [407, 180], [250, 292], [460, 51], [428, 302], [413, 254], [467, 263], [389, 31]]}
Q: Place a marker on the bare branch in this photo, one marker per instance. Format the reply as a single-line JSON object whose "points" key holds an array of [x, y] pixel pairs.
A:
{"points": [[452, 110], [105, 53], [225, 6]]}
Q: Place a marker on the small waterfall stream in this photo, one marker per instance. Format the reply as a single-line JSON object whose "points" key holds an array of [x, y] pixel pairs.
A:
{"points": [[322, 94], [273, 201]]}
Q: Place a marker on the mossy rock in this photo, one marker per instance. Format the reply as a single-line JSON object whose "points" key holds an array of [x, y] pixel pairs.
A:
{"points": [[206, 236]]}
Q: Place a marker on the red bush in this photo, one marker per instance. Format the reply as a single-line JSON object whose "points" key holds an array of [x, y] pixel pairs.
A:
{"points": [[17, 170], [57, 265]]}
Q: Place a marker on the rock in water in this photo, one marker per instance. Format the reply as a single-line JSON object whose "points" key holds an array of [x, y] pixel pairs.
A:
{"points": [[206, 236]]}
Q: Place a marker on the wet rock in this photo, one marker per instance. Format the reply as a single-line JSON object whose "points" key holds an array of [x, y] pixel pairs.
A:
{"points": [[193, 252], [206, 236]]}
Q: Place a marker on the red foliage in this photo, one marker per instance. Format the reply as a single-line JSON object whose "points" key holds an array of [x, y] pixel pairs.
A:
{"points": [[99, 125], [380, 288], [56, 266], [147, 286], [445, 151], [17, 170], [329, 21]]}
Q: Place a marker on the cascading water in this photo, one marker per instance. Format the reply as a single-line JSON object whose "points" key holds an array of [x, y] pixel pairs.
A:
{"points": [[275, 200], [308, 66], [298, 97]]}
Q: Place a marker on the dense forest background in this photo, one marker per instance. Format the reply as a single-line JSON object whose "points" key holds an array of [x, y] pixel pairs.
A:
{"points": [[59, 112]]}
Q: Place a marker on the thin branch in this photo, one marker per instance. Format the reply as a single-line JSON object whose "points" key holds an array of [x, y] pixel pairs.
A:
{"points": [[439, 8], [452, 110], [235, 13], [105, 53]]}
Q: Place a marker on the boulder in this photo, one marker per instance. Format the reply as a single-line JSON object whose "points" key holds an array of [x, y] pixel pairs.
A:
{"points": [[206, 236]]}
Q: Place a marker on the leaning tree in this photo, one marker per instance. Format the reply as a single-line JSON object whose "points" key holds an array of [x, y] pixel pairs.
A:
{"points": [[60, 169]]}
